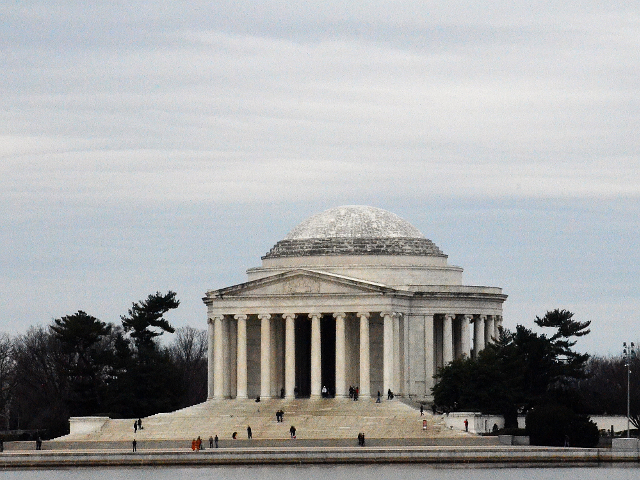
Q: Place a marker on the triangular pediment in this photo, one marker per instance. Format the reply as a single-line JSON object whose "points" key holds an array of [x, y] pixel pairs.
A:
{"points": [[302, 282]]}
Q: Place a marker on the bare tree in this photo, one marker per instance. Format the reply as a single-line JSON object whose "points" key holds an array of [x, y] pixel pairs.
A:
{"points": [[189, 355], [41, 387], [7, 377]]}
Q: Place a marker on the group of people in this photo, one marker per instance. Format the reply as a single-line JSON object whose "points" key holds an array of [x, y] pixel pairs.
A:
{"points": [[280, 416], [137, 425], [354, 392], [361, 439], [196, 443]]}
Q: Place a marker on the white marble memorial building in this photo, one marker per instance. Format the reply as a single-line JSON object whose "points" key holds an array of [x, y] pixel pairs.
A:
{"points": [[352, 296]]}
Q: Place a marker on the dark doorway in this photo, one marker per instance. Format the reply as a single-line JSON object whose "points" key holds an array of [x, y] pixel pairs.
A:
{"points": [[303, 357], [328, 352]]}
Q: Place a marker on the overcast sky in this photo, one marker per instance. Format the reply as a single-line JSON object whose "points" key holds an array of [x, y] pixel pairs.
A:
{"points": [[148, 146]]}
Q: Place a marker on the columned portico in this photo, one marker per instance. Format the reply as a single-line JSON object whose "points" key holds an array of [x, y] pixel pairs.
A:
{"points": [[230, 367]]}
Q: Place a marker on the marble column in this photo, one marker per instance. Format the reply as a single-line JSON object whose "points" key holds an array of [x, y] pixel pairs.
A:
{"points": [[397, 376], [478, 334], [465, 340], [210, 359], [429, 356], [341, 357], [241, 387], [365, 375], [387, 352], [226, 359], [316, 359], [489, 330], [447, 339], [218, 361], [290, 355], [265, 355]]}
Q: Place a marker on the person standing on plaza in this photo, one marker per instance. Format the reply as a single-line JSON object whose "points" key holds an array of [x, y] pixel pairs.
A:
{"points": [[249, 434], [134, 444], [466, 425]]}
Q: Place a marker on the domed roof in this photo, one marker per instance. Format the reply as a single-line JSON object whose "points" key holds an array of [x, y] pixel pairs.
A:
{"points": [[354, 221], [354, 230]]}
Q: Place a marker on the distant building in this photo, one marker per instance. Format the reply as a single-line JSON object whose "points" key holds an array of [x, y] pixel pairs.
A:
{"points": [[352, 296]]}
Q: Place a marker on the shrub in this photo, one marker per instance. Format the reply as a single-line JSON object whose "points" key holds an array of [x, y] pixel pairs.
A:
{"points": [[551, 425]]}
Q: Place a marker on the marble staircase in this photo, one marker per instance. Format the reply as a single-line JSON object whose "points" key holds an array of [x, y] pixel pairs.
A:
{"points": [[313, 419]]}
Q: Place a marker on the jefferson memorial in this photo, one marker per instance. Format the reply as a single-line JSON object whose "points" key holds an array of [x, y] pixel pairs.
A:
{"points": [[353, 296]]}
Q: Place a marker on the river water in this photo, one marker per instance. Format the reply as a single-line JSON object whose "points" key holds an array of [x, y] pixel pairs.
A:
{"points": [[329, 472]]}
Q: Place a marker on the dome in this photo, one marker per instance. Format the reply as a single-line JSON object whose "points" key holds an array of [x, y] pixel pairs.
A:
{"points": [[354, 230], [354, 221]]}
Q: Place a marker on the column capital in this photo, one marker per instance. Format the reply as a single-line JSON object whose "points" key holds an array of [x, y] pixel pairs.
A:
{"points": [[288, 315], [314, 315], [363, 314], [468, 317], [240, 317], [339, 315], [213, 318], [264, 316]]}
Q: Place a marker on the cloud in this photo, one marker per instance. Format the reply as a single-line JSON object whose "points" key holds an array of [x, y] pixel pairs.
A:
{"points": [[115, 112]]}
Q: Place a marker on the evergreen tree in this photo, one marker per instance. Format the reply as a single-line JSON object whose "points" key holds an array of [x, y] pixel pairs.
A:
{"points": [[520, 370], [85, 360], [145, 320]]}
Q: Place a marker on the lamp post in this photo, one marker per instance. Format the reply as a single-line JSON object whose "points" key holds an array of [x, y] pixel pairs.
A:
{"points": [[629, 352]]}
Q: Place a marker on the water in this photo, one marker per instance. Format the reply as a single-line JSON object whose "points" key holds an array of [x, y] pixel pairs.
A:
{"points": [[329, 472]]}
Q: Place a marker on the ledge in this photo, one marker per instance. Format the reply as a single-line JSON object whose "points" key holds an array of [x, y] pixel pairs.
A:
{"points": [[470, 456]]}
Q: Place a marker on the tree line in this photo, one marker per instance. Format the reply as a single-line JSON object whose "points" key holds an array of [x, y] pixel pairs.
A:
{"points": [[80, 366]]}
